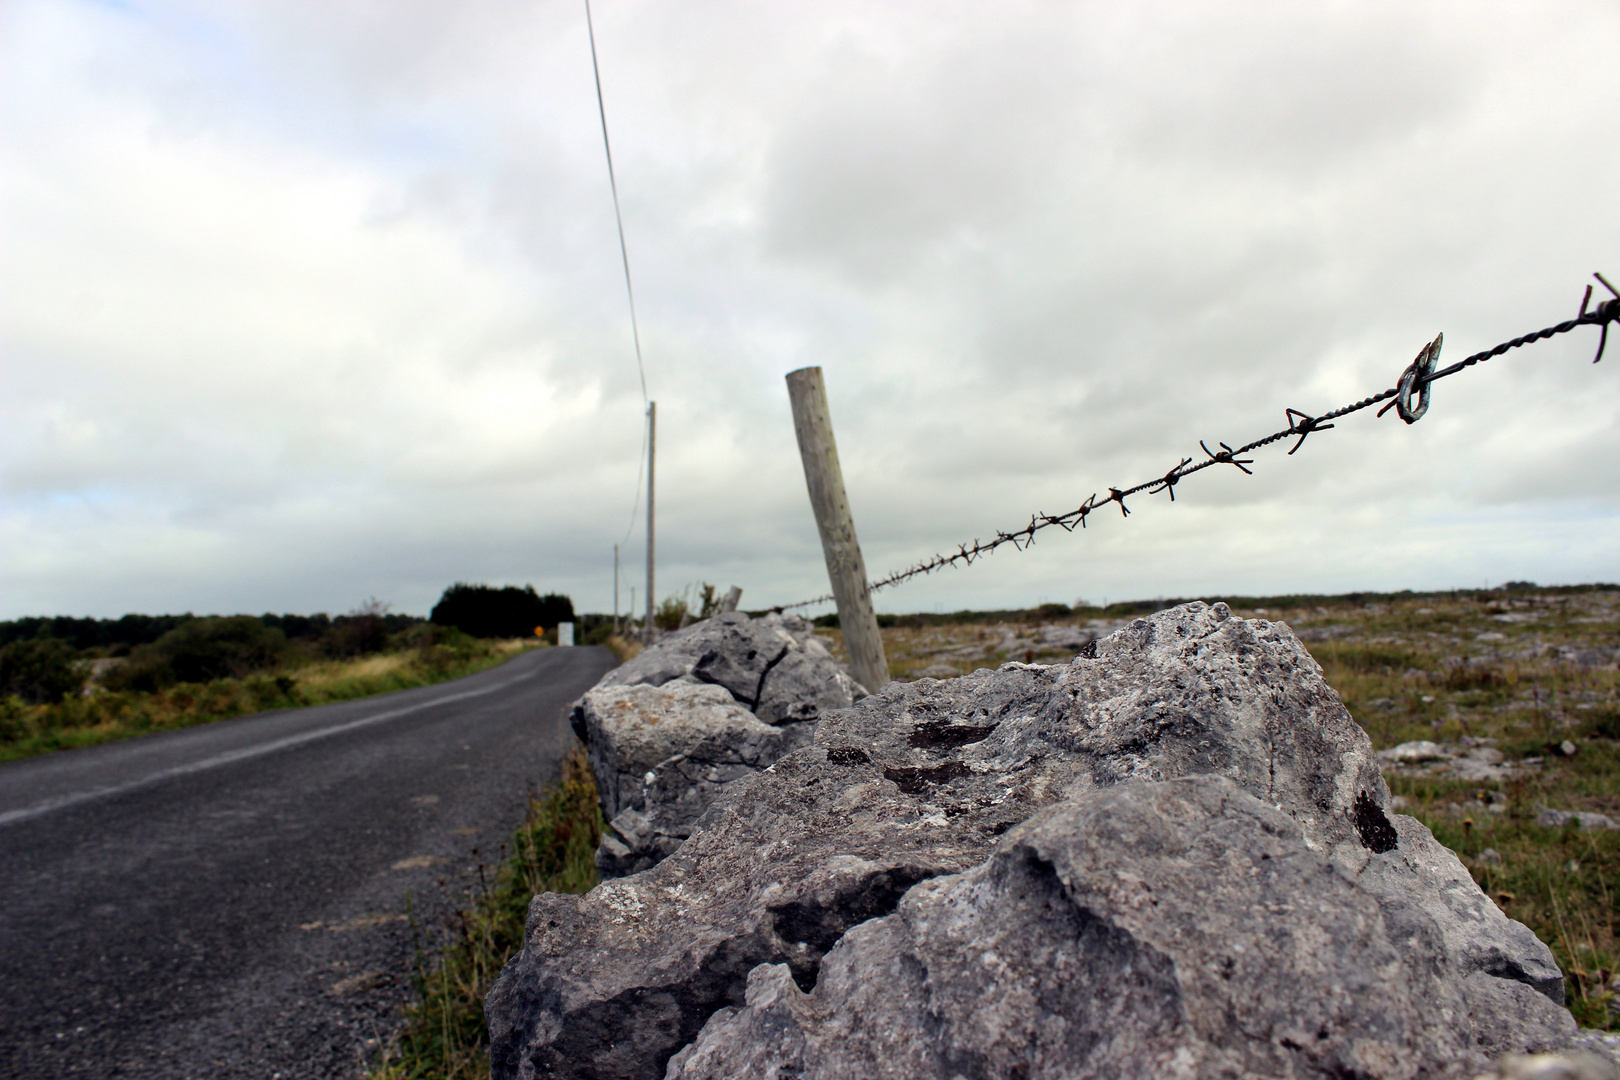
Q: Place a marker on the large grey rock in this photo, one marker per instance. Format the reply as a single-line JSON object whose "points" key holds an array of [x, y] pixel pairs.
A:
{"points": [[1421, 872], [921, 781], [804, 684], [631, 730], [660, 755], [771, 669], [1149, 930], [773, 665]]}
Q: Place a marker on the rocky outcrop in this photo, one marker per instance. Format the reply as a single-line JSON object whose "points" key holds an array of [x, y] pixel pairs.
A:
{"points": [[773, 666], [704, 707], [1119, 934], [890, 842], [661, 753]]}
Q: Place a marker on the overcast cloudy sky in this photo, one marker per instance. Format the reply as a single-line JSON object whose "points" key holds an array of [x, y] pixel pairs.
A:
{"points": [[306, 302]]}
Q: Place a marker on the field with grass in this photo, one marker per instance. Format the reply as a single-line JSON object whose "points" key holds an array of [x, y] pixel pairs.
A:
{"points": [[104, 715]]}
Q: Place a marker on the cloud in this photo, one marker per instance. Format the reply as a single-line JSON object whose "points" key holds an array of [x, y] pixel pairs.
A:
{"points": [[310, 302]]}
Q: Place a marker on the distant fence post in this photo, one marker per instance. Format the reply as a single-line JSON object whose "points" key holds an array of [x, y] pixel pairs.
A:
{"points": [[812, 423], [733, 596]]}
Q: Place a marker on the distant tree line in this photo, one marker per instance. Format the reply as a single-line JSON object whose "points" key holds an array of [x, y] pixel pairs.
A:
{"points": [[485, 611]]}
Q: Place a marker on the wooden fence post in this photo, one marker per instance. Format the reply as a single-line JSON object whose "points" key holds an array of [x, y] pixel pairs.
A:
{"points": [[812, 423]]}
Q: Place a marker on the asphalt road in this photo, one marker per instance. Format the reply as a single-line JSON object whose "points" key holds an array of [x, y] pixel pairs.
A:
{"points": [[230, 900]]}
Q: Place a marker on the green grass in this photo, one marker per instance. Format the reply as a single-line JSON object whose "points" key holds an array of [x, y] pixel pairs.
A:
{"points": [[28, 730], [445, 1036], [1559, 882]]}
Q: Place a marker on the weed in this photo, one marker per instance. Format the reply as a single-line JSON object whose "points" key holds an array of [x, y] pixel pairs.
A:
{"points": [[445, 1036]]}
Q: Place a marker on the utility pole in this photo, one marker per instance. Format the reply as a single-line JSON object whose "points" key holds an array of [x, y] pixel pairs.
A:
{"points": [[812, 423], [615, 590], [652, 449]]}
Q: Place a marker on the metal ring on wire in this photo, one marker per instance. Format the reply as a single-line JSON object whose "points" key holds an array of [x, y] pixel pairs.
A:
{"points": [[1420, 368]]}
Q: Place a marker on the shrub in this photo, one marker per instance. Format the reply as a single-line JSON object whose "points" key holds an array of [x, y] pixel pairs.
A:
{"points": [[1466, 676], [485, 611], [201, 651], [39, 671], [355, 635]]}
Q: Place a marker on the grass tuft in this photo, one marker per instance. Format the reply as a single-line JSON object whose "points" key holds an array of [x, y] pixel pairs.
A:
{"points": [[445, 1036]]}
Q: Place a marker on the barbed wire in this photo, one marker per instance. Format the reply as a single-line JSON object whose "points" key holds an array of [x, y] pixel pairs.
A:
{"points": [[1415, 381]]}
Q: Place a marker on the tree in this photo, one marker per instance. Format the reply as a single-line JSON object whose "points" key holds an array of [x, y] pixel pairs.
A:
{"points": [[485, 611], [203, 650], [39, 671]]}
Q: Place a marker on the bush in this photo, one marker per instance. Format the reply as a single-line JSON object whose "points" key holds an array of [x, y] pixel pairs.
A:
{"points": [[39, 671], [355, 635], [201, 651], [485, 611]]}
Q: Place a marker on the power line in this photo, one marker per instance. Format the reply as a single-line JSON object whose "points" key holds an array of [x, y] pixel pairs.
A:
{"points": [[640, 463], [618, 217]]}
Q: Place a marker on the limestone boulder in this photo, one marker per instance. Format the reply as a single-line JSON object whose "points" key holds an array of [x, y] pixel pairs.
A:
{"points": [[1149, 930], [720, 683], [925, 780], [632, 730], [772, 666]]}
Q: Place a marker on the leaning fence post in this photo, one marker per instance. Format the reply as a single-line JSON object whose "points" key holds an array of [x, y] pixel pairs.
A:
{"points": [[812, 423]]}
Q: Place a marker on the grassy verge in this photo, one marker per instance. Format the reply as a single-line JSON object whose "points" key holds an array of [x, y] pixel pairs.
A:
{"points": [[27, 730], [445, 1036]]}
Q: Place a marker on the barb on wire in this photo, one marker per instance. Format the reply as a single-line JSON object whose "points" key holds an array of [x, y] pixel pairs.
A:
{"points": [[1167, 482], [1227, 456], [1416, 379]]}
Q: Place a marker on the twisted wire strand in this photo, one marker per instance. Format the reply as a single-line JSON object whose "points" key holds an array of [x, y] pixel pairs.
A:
{"points": [[1300, 425]]}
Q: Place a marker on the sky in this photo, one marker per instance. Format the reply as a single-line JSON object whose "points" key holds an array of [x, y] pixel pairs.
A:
{"points": [[305, 303]]}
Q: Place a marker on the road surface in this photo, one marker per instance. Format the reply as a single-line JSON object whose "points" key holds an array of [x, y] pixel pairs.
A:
{"points": [[230, 900]]}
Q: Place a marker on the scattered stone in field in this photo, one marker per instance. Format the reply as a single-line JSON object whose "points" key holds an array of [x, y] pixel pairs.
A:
{"points": [[916, 799], [1567, 748], [1557, 819], [937, 671], [1573, 1066], [1325, 633], [1412, 753], [1490, 855], [1070, 639], [1583, 656], [1476, 761]]}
